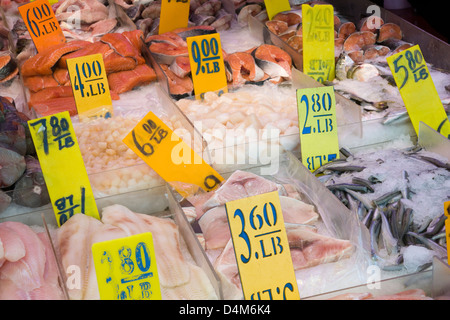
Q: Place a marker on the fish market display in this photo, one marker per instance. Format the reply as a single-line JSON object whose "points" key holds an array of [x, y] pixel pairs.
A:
{"points": [[398, 195], [47, 77], [28, 268], [21, 180], [179, 277], [309, 247]]}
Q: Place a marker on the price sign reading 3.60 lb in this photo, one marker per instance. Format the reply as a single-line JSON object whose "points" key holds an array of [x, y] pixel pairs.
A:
{"points": [[418, 91], [262, 248], [126, 268], [41, 24], [318, 128], [206, 60], [90, 86], [63, 167]]}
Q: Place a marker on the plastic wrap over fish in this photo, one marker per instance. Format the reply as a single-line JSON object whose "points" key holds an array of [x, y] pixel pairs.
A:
{"points": [[336, 255]]}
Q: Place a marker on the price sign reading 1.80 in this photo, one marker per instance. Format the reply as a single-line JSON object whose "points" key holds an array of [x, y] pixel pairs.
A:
{"points": [[318, 128], [126, 268], [63, 167], [261, 248], [208, 69], [418, 91], [42, 24], [90, 86]]}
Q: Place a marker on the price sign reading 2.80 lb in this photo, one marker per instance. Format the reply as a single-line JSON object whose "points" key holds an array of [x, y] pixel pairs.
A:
{"points": [[90, 86], [126, 268], [172, 158], [418, 91], [206, 60], [318, 128], [42, 24], [262, 248], [63, 167]]}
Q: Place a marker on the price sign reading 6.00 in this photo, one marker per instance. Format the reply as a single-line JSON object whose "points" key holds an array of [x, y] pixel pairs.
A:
{"points": [[41, 24], [318, 127], [418, 91], [261, 248], [208, 68]]}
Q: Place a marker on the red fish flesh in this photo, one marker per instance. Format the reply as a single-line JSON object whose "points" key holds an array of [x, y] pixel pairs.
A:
{"points": [[123, 81]]}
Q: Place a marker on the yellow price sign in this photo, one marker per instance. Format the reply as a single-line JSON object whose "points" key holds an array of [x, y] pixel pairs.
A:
{"points": [[206, 60], [171, 157], [318, 42], [126, 268], [319, 141], [447, 227], [63, 167], [417, 89], [276, 6], [41, 24], [174, 14], [90, 86], [261, 247]]}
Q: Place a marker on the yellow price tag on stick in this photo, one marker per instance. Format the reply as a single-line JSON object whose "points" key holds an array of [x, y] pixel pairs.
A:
{"points": [[126, 268], [206, 60], [318, 42], [62, 166], [447, 228], [90, 86], [172, 158], [417, 89], [276, 6], [319, 141], [174, 15], [41, 24], [261, 247]]}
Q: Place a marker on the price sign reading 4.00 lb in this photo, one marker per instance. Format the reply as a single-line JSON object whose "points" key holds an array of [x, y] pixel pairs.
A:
{"points": [[90, 86], [262, 248], [318, 42], [41, 24], [63, 167], [126, 268], [317, 123], [418, 91], [208, 68], [172, 158]]}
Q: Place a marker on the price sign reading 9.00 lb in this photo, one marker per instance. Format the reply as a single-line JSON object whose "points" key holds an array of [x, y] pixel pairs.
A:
{"points": [[172, 158], [63, 167], [90, 86], [126, 268], [206, 60], [418, 91], [41, 24], [318, 42], [262, 248], [318, 128]]}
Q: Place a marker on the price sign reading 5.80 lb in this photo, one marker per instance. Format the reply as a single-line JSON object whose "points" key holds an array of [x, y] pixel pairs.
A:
{"points": [[317, 123], [318, 42], [63, 167], [418, 91], [208, 69], [262, 248], [126, 268], [41, 23], [90, 86]]}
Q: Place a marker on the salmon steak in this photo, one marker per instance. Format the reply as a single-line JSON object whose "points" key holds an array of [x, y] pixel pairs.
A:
{"points": [[123, 46], [273, 60], [178, 87], [242, 68], [123, 81], [165, 53]]}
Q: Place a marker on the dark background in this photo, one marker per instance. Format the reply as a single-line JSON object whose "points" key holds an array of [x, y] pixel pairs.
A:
{"points": [[429, 16]]}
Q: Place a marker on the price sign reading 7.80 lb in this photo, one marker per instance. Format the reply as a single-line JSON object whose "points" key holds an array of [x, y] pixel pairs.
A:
{"points": [[318, 128], [262, 248], [41, 23], [90, 86], [206, 60], [418, 91]]}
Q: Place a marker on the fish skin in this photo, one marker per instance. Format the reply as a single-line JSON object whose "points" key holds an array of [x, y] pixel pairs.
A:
{"points": [[12, 166], [273, 61]]}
